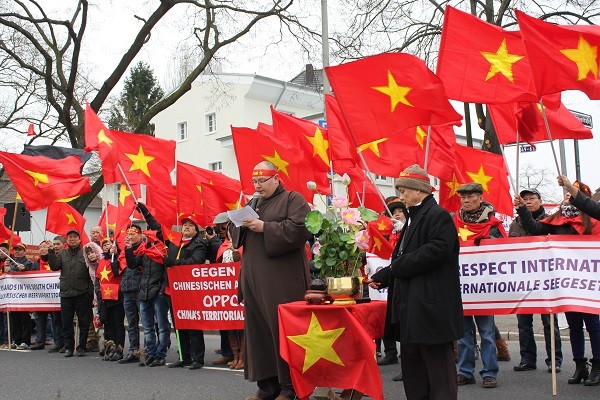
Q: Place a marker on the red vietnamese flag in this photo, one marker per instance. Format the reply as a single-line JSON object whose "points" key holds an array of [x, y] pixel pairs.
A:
{"points": [[343, 148], [526, 118], [306, 136], [97, 135], [31, 130], [40, 181], [378, 244], [143, 158], [482, 63], [327, 347], [383, 224], [61, 218], [561, 57], [255, 145], [109, 291], [163, 200], [206, 193], [361, 187], [468, 232], [104, 272], [485, 168], [171, 235], [112, 212], [388, 93]]}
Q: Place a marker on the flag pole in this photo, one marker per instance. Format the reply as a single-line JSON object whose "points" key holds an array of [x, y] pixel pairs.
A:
{"points": [[426, 163], [39, 227], [10, 241], [553, 351], [545, 118], [517, 166], [368, 175]]}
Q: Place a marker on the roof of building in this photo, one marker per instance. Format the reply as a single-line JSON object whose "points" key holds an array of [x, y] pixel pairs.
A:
{"points": [[310, 77]]}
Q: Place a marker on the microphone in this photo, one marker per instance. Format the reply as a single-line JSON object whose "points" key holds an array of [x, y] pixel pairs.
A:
{"points": [[254, 200]]}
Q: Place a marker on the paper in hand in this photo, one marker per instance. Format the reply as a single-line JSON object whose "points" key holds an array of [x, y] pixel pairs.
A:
{"points": [[237, 216]]}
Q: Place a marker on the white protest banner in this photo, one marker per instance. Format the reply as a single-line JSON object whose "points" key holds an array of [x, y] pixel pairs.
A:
{"points": [[531, 275], [204, 296], [375, 264], [30, 291]]}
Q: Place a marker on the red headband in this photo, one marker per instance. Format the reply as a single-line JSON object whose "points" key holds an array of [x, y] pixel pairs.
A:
{"points": [[414, 176], [133, 229], [395, 199], [264, 172]]}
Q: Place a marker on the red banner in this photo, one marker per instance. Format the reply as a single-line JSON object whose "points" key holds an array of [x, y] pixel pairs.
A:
{"points": [[204, 296]]}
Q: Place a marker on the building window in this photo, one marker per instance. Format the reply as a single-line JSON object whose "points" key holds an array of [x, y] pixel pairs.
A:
{"points": [[381, 178], [182, 133], [216, 166], [211, 123]]}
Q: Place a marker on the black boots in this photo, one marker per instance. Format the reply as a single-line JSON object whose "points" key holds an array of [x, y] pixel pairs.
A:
{"points": [[581, 371], [594, 377]]}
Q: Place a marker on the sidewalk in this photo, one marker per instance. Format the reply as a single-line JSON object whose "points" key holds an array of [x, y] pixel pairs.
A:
{"points": [[507, 325]]}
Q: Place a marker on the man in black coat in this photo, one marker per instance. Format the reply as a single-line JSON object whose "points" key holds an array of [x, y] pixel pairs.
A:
{"points": [[427, 304]]}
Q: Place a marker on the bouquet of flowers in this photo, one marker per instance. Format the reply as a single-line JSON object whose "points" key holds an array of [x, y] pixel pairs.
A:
{"points": [[341, 236]]}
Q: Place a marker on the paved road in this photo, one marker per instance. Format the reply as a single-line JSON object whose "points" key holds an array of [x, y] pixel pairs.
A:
{"points": [[40, 375]]}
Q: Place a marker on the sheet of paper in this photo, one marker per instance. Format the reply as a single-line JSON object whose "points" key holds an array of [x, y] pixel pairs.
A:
{"points": [[238, 216]]}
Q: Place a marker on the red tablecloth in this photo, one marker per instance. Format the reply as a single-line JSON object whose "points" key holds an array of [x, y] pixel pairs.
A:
{"points": [[332, 346]]}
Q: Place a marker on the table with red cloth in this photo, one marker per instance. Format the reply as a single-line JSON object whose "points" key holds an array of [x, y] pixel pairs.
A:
{"points": [[332, 346]]}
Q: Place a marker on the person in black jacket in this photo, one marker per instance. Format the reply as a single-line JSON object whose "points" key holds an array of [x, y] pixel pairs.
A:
{"points": [[426, 302], [192, 250], [76, 291]]}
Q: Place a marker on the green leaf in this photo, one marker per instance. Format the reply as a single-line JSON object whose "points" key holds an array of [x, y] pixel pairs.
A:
{"points": [[343, 254], [367, 214], [314, 221], [330, 261]]}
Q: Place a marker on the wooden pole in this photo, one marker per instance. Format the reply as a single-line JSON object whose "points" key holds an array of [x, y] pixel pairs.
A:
{"points": [[10, 243], [553, 356]]}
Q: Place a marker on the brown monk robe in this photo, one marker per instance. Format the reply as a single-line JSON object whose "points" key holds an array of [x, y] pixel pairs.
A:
{"points": [[274, 271]]}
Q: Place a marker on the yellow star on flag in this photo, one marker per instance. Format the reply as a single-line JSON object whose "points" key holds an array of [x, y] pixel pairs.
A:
{"points": [[233, 206], [37, 177], [397, 93], [420, 137], [453, 185], [501, 62], [481, 177], [140, 161], [320, 145], [199, 187], [377, 243], [586, 58], [464, 233], [107, 292], [104, 274], [318, 343], [123, 194], [381, 226], [113, 225], [67, 199], [373, 146], [102, 138], [70, 218], [279, 162]]}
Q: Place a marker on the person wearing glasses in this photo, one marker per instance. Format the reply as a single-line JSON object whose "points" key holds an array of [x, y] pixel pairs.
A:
{"points": [[274, 271]]}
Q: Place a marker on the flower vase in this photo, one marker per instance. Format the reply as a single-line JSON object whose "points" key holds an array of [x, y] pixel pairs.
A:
{"points": [[344, 290]]}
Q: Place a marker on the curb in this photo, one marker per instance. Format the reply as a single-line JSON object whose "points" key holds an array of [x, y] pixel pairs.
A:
{"points": [[510, 336]]}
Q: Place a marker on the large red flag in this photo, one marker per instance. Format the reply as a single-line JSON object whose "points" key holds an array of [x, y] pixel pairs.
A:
{"points": [[144, 159], [526, 118], [388, 93], [110, 212], [255, 145], [163, 200], [343, 148], [482, 167], [308, 137], [40, 181], [97, 135], [378, 244], [561, 57], [61, 218], [328, 347], [483, 63]]}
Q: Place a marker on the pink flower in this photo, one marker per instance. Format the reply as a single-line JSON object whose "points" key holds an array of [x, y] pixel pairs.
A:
{"points": [[316, 249], [339, 201], [361, 238], [345, 179], [351, 216], [311, 185]]}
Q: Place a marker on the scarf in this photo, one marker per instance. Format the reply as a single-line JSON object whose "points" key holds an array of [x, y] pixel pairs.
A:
{"points": [[568, 211], [472, 217]]}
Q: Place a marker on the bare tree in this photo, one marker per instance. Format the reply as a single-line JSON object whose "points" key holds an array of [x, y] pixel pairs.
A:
{"points": [[541, 179], [415, 26], [48, 49]]}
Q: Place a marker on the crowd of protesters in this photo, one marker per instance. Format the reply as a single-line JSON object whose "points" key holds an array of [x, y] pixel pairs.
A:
{"points": [[426, 254]]}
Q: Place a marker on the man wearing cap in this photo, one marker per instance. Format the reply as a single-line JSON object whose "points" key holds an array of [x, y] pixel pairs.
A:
{"points": [[20, 321], [274, 271], [76, 290], [475, 220], [426, 302], [533, 202]]}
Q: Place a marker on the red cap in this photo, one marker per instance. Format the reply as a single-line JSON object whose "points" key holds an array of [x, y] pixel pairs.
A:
{"points": [[189, 217]]}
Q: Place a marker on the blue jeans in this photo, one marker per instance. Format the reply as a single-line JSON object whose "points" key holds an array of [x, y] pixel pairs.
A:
{"points": [[592, 325], [466, 347], [152, 310], [527, 340], [130, 303]]}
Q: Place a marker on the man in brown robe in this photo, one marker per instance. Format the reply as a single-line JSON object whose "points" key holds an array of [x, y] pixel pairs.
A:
{"points": [[274, 271]]}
